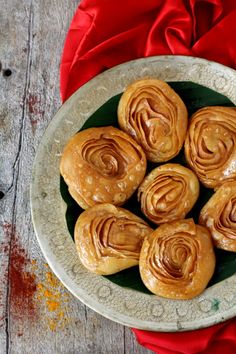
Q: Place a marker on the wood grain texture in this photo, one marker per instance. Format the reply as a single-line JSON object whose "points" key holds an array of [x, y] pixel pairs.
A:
{"points": [[32, 34]]}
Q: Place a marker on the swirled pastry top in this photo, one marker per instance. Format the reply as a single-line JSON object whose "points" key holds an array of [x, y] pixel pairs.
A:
{"points": [[210, 145], [155, 116], [108, 239], [168, 193], [177, 260], [102, 165], [219, 215]]}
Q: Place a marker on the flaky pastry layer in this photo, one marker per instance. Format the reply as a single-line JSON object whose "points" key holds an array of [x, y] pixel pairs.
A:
{"points": [[109, 239], [177, 260], [168, 193], [155, 116], [219, 216], [210, 145], [102, 165]]}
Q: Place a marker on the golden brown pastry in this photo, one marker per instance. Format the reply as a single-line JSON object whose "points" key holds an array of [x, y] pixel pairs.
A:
{"points": [[210, 146], [177, 260], [168, 193], [155, 116], [219, 216], [108, 239], [102, 165]]}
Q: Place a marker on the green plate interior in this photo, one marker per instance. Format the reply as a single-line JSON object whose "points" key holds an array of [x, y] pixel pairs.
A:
{"points": [[194, 96]]}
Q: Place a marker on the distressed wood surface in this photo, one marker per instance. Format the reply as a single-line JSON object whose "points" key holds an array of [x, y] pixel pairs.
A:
{"points": [[32, 34]]}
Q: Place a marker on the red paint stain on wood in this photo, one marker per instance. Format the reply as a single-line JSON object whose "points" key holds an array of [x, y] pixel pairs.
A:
{"points": [[36, 113], [21, 282], [24, 293], [33, 102]]}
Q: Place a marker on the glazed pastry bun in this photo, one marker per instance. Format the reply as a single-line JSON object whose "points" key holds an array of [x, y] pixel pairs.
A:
{"points": [[210, 145], [219, 216], [168, 193], [109, 239], [102, 165], [177, 260], [155, 116]]}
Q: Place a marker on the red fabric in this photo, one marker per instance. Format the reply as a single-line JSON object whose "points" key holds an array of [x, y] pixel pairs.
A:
{"points": [[217, 339], [105, 33]]}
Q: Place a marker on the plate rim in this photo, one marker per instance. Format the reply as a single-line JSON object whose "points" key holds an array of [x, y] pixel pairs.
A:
{"points": [[37, 197]]}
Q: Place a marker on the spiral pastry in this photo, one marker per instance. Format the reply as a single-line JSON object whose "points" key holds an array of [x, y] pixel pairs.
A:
{"points": [[210, 146], [155, 116], [177, 260], [102, 165], [109, 239], [219, 216], [168, 193]]}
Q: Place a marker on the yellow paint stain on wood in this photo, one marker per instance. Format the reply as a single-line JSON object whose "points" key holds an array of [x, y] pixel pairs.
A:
{"points": [[52, 293]]}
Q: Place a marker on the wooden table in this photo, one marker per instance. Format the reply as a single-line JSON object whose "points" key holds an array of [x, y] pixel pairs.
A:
{"points": [[37, 314]]}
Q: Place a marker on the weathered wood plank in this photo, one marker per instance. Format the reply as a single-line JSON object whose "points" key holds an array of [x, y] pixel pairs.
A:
{"points": [[11, 95], [31, 40]]}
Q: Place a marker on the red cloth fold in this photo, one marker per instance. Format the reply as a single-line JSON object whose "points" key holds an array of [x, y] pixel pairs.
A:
{"points": [[105, 33], [217, 339]]}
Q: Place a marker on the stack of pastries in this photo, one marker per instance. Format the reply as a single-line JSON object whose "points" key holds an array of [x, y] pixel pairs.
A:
{"points": [[103, 167]]}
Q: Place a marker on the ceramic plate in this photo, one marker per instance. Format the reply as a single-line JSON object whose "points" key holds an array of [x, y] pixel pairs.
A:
{"points": [[126, 306]]}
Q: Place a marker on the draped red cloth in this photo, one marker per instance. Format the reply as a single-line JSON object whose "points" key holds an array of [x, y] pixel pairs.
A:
{"points": [[218, 339], [105, 33]]}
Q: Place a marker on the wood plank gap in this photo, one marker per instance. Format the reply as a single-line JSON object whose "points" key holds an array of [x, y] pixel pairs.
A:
{"points": [[27, 84], [124, 337], [16, 164], [85, 314]]}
